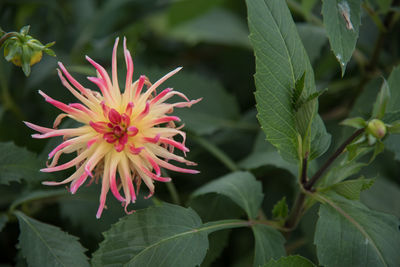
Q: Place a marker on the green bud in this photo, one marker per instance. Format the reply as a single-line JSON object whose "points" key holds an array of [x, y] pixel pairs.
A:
{"points": [[377, 128], [24, 51]]}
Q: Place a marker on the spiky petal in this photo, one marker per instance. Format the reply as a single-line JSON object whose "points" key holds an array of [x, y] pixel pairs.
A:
{"points": [[125, 138]]}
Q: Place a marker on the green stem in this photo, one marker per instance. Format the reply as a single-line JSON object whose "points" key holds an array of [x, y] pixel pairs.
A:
{"points": [[308, 186], [216, 152]]}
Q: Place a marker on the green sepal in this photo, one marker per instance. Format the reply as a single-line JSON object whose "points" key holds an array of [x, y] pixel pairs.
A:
{"points": [[24, 30], [379, 147], [356, 122], [26, 58], [394, 128], [381, 101]]}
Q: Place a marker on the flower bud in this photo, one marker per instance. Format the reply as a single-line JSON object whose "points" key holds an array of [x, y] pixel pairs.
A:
{"points": [[23, 50], [377, 128]]}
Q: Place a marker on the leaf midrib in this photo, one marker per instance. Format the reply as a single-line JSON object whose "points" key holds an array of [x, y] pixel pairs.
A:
{"points": [[40, 237], [356, 224], [203, 228]]}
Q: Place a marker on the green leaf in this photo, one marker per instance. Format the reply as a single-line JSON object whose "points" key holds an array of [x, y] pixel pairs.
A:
{"points": [[264, 154], [241, 187], [351, 189], [3, 221], [320, 138], [46, 245], [360, 236], [281, 61], [378, 148], [166, 235], [394, 87], [384, 196], [281, 209], [269, 244], [18, 163], [356, 122], [298, 90], [343, 169], [342, 20], [290, 261], [381, 102]]}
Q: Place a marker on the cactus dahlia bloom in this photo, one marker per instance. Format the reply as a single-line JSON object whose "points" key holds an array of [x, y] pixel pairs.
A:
{"points": [[129, 133]]}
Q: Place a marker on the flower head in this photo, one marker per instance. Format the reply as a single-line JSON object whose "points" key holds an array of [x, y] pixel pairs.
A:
{"points": [[125, 138]]}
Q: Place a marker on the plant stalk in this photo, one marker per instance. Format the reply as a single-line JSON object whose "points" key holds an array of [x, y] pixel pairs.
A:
{"points": [[308, 186]]}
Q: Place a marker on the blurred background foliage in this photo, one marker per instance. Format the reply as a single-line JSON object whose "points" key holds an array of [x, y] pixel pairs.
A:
{"points": [[209, 38]]}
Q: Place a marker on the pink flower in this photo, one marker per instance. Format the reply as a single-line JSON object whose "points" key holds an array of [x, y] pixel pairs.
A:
{"points": [[129, 134]]}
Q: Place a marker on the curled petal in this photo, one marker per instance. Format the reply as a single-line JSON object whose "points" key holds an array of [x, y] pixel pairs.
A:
{"points": [[135, 150], [155, 177], [100, 127], [165, 119], [153, 140]]}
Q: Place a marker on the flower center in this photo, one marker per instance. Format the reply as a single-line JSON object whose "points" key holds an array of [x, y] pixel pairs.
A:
{"points": [[117, 130]]}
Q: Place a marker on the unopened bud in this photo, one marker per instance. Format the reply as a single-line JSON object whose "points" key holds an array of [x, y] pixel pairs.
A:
{"points": [[23, 50], [377, 128]]}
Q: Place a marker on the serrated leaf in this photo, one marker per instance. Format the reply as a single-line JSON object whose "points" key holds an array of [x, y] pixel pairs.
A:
{"points": [[46, 245], [241, 187], [18, 163], [360, 236], [280, 61], [269, 244], [166, 235], [356, 122], [381, 102], [394, 87], [351, 189], [290, 261], [342, 20], [281, 209]]}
